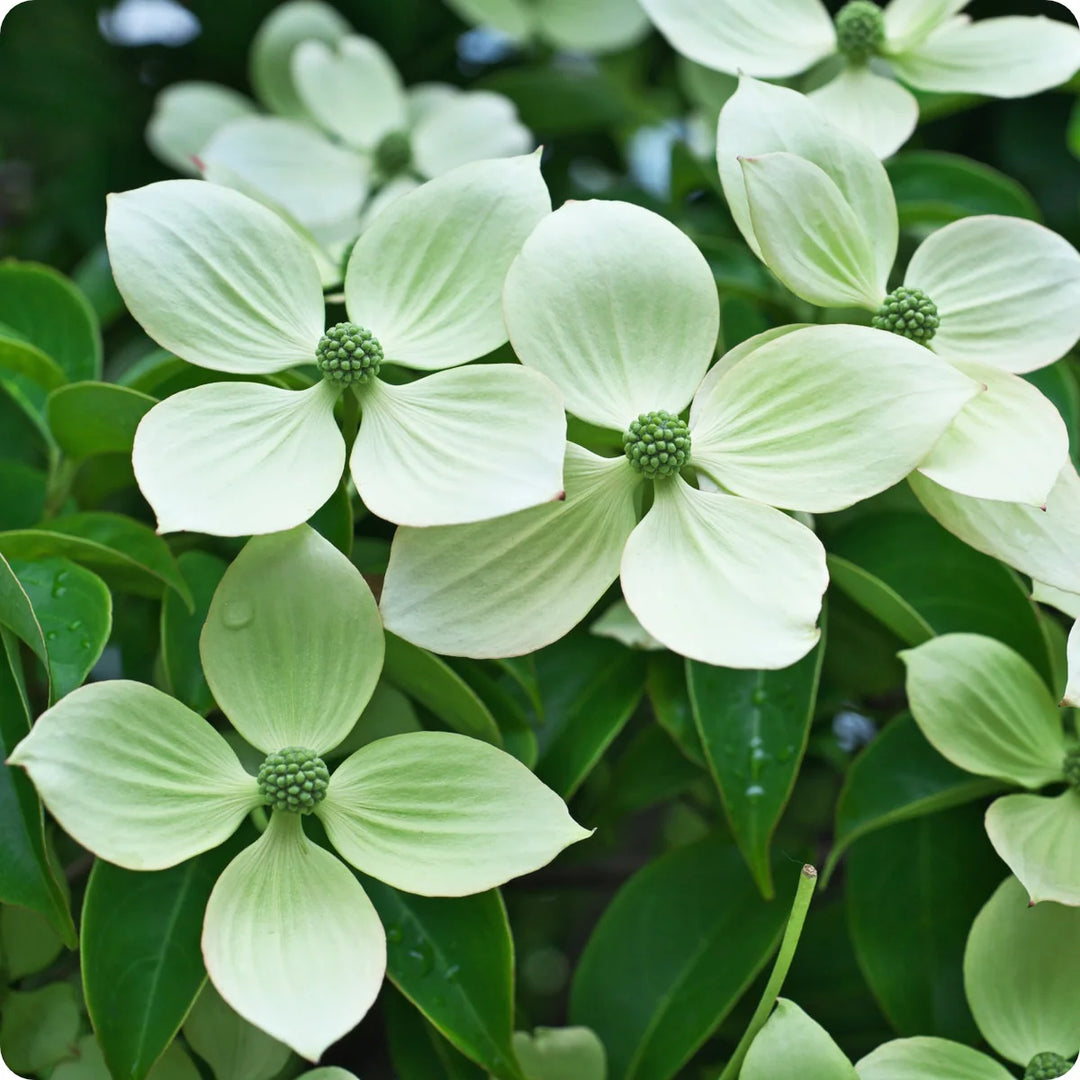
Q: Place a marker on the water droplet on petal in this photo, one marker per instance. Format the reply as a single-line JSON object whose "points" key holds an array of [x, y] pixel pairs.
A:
{"points": [[238, 614]]}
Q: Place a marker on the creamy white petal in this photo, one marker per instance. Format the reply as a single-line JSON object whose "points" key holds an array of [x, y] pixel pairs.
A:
{"points": [[876, 110], [459, 446], [1072, 653], [426, 275], [765, 119], [822, 417], [1039, 543], [1007, 291], [353, 89], [291, 940], [767, 38], [1007, 443], [1006, 57], [214, 277], [514, 18], [186, 115], [440, 814], [908, 22], [424, 97], [468, 127], [512, 585], [723, 579], [617, 307], [1064, 601], [134, 776], [296, 167], [596, 26], [926, 1056], [232, 459]]}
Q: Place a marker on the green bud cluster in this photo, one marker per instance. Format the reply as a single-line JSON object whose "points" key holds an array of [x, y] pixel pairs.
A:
{"points": [[349, 355], [1047, 1066], [860, 30], [909, 313], [657, 444], [1071, 768], [293, 779], [393, 154]]}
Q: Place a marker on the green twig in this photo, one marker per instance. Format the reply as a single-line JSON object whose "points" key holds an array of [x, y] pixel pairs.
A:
{"points": [[799, 908]]}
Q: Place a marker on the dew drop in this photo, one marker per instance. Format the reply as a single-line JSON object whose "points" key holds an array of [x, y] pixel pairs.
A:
{"points": [[759, 696], [50, 635], [75, 625], [421, 954], [238, 614], [393, 934], [755, 791], [452, 971]]}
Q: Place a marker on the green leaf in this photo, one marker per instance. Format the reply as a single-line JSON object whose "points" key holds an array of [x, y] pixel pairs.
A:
{"points": [[89, 418], [432, 683], [418, 1051], [559, 101], [754, 726], [670, 698], [933, 189], [180, 630], [591, 687], [38, 1028], [141, 960], [334, 519], [912, 891], [26, 876], [22, 495], [21, 358], [28, 942], [46, 310], [233, 1048], [919, 580], [675, 950], [74, 609], [454, 960], [899, 776], [130, 556], [1058, 383]]}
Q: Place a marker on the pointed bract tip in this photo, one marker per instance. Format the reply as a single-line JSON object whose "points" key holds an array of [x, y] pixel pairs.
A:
{"points": [[561, 497], [198, 162]]}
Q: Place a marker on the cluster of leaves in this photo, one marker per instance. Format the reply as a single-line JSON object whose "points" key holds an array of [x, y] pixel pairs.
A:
{"points": [[884, 741]]}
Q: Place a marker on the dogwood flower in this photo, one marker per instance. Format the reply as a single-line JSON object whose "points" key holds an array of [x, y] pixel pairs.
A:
{"points": [[620, 310], [993, 296], [224, 283], [598, 26], [986, 709], [292, 649], [924, 43]]}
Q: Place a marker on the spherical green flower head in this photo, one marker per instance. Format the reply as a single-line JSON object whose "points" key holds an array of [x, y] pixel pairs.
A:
{"points": [[349, 355], [860, 30], [1046, 1067], [909, 313], [293, 779], [657, 444], [393, 154]]}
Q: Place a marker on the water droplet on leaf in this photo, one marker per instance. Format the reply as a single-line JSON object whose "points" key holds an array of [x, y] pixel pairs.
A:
{"points": [[238, 614]]}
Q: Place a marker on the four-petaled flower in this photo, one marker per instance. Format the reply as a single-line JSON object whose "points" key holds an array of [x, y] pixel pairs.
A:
{"points": [[292, 649], [224, 283]]}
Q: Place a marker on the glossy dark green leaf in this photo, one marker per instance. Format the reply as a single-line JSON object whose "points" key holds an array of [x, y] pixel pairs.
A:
{"points": [[142, 963], [180, 630], [512, 710], [418, 1051], [334, 519], [1058, 383], [590, 687], [453, 958], [130, 556], [557, 101], [897, 777], [22, 495], [674, 951], [88, 418], [39, 1028], [670, 699], [26, 875], [919, 580], [650, 770], [754, 726], [933, 189], [45, 309], [19, 357], [74, 609], [432, 683], [913, 890]]}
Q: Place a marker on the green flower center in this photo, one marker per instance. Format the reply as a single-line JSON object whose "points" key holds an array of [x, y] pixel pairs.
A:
{"points": [[393, 154], [1046, 1067], [909, 313], [293, 779], [860, 30], [1071, 768], [349, 355], [657, 444]]}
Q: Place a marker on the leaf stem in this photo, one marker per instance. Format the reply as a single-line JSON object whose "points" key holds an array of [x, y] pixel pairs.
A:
{"points": [[61, 477], [800, 906]]}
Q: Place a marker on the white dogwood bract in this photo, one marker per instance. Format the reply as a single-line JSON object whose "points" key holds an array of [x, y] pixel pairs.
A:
{"points": [[926, 44], [619, 309], [223, 283], [597, 26], [292, 649], [819, 210]]}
